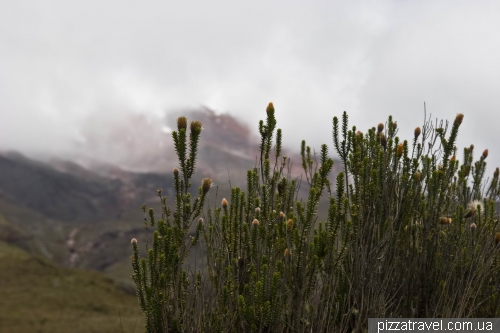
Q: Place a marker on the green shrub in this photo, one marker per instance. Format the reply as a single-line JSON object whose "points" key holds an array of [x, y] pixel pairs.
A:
{"points": [[410, 233]]}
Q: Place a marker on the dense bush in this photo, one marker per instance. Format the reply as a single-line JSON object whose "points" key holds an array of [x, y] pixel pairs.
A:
{"points": [[410, 232]]}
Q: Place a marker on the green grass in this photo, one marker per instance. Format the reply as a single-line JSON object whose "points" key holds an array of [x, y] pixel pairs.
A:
{"points": [[38, 296]]}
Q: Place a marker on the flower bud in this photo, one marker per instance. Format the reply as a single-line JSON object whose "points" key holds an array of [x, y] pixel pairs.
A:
{"points": [[497, 238], [195, 126], [282, 215], [444, 220], [380, 127], [459, 118], [485, 154], [133, 241], [399, 151], [270, 105], [206, 184], [417, 132], [383, 140], [257, 210], [289, 224], [176, 172], [473, 226], [181, 123], [255, 222], [417, 176]]}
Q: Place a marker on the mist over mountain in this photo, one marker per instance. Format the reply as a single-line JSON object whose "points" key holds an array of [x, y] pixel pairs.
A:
{"points": [[81, 209], [107, 144]]}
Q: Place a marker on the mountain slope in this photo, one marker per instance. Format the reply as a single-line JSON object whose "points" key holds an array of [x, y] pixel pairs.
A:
{"points": [[54, 194], [38, 296], [71, 210]]}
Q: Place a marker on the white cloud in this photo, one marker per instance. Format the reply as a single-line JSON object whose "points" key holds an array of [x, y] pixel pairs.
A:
{"points": [[62, 61]]}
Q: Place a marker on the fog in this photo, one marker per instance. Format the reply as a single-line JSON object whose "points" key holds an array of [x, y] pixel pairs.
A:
{"points": [[63, 63]]}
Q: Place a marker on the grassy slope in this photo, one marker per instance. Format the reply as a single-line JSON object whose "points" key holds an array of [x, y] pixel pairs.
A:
{"points": [[38, 296]]}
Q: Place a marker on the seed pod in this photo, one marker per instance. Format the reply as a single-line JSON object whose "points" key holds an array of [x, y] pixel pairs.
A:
{"points": [[175, 172], [473, 226], [133, 241], [459, 118], [289, 224], [224, 203], [257, 210], [255, 222]]}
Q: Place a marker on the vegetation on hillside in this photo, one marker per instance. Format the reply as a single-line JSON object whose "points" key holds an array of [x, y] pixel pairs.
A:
{"points": [[38, 296], [410, 232]]}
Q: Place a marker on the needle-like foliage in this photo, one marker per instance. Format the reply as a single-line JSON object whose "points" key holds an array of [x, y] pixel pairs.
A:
{"points": [[409, 232]]}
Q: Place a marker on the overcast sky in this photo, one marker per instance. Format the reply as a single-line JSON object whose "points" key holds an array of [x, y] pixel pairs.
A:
{"points": [[61, 61]]}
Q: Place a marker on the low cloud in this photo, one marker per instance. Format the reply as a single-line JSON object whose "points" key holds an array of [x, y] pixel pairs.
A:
{"points": [[62, 63]]}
